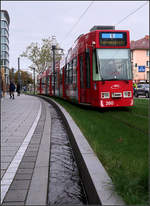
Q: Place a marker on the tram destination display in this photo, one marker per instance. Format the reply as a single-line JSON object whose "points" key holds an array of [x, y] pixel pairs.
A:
{"points": [[113, 39]]}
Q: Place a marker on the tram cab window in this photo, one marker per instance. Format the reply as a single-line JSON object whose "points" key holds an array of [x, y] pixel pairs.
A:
{"points": [[96, 75]]}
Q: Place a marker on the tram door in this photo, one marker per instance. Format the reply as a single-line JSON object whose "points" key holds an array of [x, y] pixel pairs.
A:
{"points": [[84, 78]]}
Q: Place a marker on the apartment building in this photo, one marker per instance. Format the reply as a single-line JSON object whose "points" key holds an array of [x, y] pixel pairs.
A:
{"points": [[4, 41], [140, 59]]}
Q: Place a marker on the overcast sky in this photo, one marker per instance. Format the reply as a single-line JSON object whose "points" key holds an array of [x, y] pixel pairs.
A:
{"points": [[31, 21]]}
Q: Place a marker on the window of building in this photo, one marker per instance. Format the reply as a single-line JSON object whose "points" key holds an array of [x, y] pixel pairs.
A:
{"points": [[147, 63], [4, 55], [4, 39], [147, 75], [147, 53], [4, 24], [131, 54], [3, 16], [4, 47], [4, 32], [4, 62]]}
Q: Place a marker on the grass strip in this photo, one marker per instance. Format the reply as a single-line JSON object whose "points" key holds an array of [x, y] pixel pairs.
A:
{"points": [[122, 149]]}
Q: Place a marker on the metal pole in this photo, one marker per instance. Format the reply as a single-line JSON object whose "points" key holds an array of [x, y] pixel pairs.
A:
{"points": [[13, 74], [53, 48], [34, 80], [19, 70]]}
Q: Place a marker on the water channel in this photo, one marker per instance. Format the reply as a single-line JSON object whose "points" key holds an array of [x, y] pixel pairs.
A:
{"points": [[65, 185]]}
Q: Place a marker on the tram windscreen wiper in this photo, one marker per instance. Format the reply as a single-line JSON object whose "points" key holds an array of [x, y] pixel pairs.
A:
{"points": [[112, 79]]}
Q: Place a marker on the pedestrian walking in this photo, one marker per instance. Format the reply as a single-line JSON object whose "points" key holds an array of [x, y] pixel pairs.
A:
{"points": [[134, 87], [12, 89], [18, 89]]}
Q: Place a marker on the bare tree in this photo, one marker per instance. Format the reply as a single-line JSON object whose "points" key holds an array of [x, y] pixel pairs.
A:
{"points": [[41, 56]]}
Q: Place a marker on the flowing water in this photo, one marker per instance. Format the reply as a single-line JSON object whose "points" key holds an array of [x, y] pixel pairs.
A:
{"points": [[65, 186]]}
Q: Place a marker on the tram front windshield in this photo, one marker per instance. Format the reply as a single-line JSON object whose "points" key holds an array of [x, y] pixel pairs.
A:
{"points": [[113, 64]]}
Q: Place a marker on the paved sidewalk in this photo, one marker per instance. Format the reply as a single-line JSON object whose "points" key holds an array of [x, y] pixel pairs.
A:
{"points": [[25, 143]]}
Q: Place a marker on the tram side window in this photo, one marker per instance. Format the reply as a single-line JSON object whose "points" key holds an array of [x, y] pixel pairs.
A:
{"points": [[56, 79], [75, 70], [48, 80], [43, 82], [70, 72], [65, 74], [81, 72], [87, 62], [61, 76]]}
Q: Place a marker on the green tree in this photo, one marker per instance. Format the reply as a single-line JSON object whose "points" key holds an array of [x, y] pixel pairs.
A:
{"points": [[25, 78], [41, 56]]}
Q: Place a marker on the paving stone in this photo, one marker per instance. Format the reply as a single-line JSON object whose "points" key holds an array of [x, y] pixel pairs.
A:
{"points": [[26, 165], [15, 196], [31, 154], [4, 165], [6, 158], [13, 203], [33, 147], [9, 153], [35, 137], [23, 176], [20, 185], [35, 142], [29, 159], [25, 171]]}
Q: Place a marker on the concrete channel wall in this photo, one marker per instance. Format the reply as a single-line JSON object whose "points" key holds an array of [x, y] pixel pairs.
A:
{"points": [[98, 185]]}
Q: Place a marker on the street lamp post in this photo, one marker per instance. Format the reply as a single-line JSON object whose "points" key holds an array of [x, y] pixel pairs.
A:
{"points": [[19, 80], [53, 49], [33, 68], [13, 75], [34, 79]]}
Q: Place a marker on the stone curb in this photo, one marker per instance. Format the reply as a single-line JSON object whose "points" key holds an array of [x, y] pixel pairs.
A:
{"points": [[97, 183]]}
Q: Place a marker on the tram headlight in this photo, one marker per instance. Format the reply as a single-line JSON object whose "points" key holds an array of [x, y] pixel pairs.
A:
{"points": [[127, 94], [105, 95]]}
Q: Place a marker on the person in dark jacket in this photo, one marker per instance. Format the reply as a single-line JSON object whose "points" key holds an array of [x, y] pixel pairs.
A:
{"points": [[12, 89], [18, 89]]}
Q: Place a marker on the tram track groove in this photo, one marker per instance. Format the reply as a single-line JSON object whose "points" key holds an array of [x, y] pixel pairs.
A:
{"points": [[129, 125]]}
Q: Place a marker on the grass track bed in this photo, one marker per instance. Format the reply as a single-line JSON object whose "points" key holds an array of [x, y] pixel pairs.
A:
{"points": [[119, 137]]}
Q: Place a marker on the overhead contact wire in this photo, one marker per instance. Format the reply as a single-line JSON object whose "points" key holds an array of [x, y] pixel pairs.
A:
{"points": [[78, 21], [133, 12]]}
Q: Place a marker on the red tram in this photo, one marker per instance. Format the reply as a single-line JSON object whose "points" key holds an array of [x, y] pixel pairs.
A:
{"points": [[96, 70]]}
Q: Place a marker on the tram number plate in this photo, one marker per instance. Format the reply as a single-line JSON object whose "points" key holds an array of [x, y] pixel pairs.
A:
{"points": [[109, 103]]}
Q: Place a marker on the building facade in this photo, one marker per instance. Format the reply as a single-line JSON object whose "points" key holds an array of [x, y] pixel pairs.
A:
{"points": [[4, 41], [140, 59]]}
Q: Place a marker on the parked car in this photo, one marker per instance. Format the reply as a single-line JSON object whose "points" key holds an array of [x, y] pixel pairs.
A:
{"points": [[142, 89]]}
